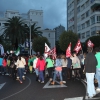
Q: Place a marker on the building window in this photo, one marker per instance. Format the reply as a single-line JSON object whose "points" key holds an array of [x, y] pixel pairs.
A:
{"points": [[78, 1], [92, 1], [98, 19], [88, 34], [92, 19], [83, 35], [93, 31], [87, 23], [78, 9], [79, 27], [83, 25], [82, 7], [49, 35], [87, 3], [82, 16], [0, 24], [87, 13]]}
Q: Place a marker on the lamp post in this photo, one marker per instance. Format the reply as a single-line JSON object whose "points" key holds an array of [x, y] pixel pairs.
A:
{"points": [[30, 37]]}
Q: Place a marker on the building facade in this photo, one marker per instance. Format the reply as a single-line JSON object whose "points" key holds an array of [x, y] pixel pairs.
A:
{"points": [[31, 17], [87, 20], [58, 31]]}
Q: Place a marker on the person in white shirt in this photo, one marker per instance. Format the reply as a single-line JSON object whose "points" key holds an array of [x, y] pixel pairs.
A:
{"points": [[21, 67]]}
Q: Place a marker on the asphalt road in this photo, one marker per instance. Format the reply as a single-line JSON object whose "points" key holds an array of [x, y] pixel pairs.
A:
{"points": [[33, 90]]}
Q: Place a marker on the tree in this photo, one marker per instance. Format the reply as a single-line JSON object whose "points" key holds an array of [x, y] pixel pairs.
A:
{"points": [[58, 50], [39, 44], [65, 38], [14, 31]]}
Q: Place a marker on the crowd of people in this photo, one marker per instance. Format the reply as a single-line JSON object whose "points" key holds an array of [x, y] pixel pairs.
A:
{"points": [[77, 66]]}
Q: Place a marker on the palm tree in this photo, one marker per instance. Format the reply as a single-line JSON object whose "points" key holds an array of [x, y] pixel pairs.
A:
{"points": [[35, 31], [14, 31]]}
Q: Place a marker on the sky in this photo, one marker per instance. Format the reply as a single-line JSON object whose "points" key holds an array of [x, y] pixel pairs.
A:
{"points": [[54, 11]]}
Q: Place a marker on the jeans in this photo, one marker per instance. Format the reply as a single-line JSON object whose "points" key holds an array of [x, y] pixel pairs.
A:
{"points": [[41, 76], [3, 70], [90, 84], [50, 72], [98, 76], [36, 71], [55, 74], [64, 73], [0, 68], [21, 73]]}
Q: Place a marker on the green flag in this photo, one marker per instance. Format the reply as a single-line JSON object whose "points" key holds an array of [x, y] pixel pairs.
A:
{"points": [[17, 52]]}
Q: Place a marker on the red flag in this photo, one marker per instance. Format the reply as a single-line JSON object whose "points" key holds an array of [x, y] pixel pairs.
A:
{"points": [[68, 51], [90, 44], [53, 52], [78, 46]]}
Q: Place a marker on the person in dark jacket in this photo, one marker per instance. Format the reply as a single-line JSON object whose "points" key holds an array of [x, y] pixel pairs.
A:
{"points": [[90, 69], [69, 65]]}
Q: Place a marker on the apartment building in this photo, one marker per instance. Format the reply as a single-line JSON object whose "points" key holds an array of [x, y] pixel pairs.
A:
{"points": [[31, 17], [58, 31], [87, 18]]}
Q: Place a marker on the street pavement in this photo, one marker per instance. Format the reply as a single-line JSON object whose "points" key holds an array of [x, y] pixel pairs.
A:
{"points": [[33, 90]]}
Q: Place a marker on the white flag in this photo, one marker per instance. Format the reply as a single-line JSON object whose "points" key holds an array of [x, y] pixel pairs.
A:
{"points": [[46, 51]]}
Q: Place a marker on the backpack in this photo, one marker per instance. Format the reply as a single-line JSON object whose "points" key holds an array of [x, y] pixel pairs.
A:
{"points": [[31, 63]]}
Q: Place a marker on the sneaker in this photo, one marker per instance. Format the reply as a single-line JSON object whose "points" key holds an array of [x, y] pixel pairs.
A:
{"points": [[50, 79], [64, 81], [42, 82], [98, 89], [6, 74], [20, 81], [17, 78], [90, 97], [39, 81]]}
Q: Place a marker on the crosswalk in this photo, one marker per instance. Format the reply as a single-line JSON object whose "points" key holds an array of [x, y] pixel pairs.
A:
{"points": [[75, 98], [47, 85]]}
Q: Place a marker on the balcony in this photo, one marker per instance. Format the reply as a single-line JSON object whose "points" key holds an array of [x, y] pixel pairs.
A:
{"points": [[94, 3]]}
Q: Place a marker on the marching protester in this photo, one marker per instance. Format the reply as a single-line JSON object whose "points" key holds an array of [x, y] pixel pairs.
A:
{"points": [[97, 55], [21, 67], [8, 64], [64, 63], [30, 64], [58, 70], [1, 59], [76, 65], [50, 66], [90, 69], [4, 64], [69, 68], [34, 66], [41, 67]]}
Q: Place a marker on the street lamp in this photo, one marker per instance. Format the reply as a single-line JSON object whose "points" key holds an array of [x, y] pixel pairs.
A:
{"points": [[30, 37]]}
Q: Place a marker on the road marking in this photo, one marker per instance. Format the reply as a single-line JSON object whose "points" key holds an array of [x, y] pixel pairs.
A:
{"points": [[75, 98], [18, 91], [1, 85], [54, 86]]}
